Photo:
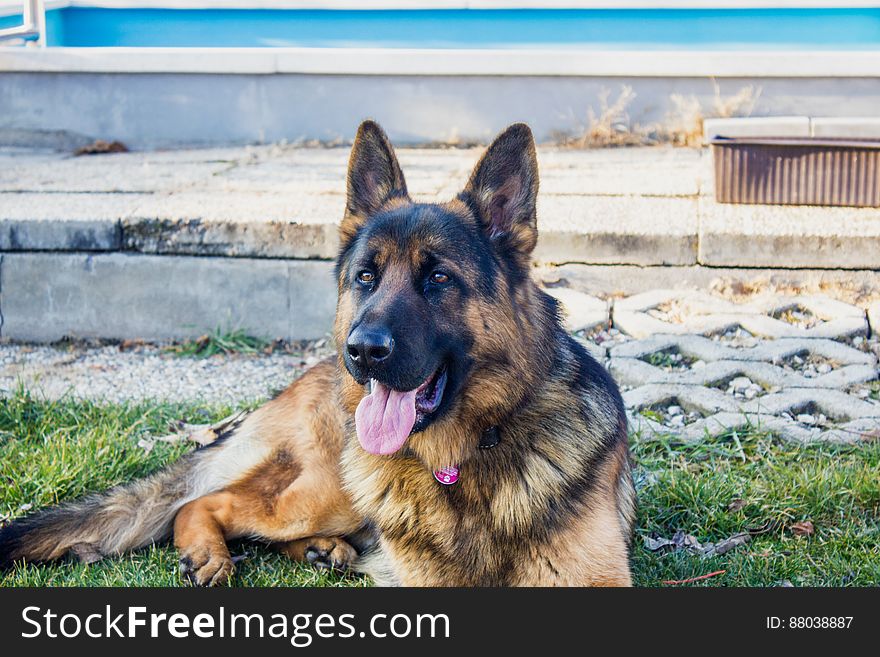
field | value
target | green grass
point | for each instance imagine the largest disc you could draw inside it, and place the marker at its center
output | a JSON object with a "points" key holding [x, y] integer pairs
{"points": [[691, 488], [220, 342], [51, 451], [669, 359]]}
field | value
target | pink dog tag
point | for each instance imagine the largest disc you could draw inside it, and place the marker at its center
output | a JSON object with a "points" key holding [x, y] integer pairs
{"points": [[447, 476]]}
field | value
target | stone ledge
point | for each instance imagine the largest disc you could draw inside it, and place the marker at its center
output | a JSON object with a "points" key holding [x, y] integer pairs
{"points": [[788, 236], [46, 297]]}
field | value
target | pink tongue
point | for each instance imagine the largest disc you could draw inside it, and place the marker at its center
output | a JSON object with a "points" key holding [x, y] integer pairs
{"points": [[384, 419]]}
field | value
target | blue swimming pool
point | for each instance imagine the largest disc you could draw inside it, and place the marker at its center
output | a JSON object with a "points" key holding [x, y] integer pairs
{"points": [[601, 29]]}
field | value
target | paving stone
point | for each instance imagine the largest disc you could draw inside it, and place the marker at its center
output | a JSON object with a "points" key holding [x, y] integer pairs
{"points": [[852, 432], [874, 318], [707, 401], [720, 423], [635, 372], [595, 350], [839, 407], [685, 311], [582, 311], [835, 404], [771, 351]]}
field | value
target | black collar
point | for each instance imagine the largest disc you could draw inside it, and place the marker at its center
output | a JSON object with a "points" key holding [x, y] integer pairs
{"points": [[489, 438]]}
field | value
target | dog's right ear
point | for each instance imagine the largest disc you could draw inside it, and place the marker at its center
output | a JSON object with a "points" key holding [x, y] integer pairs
{"points": [[374, 177]]}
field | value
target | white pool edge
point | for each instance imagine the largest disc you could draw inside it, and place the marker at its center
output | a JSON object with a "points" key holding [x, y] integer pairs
{"points": [[453, 62], [11, 6]]}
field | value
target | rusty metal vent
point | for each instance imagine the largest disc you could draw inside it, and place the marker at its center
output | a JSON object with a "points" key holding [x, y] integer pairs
{"points": [[797, 171]]}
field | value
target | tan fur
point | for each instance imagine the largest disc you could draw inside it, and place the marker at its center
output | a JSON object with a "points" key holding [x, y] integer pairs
{"points": [[292, 495]]}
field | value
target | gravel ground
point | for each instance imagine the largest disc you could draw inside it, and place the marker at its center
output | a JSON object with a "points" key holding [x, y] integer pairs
{"points": [[107, 373]]}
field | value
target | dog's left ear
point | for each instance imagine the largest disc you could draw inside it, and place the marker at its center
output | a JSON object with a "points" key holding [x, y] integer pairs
{"points": [[374, 177], [504, 189]]}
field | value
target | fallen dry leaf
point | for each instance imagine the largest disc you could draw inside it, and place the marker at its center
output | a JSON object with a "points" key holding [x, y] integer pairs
{"points": [[99, 146], [804, 528], [736, 504], [147, 444], [201, 434], [727, 544], [870, 436], [129, 345]]}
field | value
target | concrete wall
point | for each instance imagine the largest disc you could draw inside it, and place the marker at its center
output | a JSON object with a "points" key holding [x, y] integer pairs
{"points": [[149, 110], [49, 296]]}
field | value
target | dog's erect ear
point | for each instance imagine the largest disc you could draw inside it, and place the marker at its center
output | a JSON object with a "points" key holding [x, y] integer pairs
{"points": [[504, 188], [374, 177]]}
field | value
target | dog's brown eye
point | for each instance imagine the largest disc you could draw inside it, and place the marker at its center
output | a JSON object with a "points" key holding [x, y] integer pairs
{"points": [[366, 277], [439, 278]]}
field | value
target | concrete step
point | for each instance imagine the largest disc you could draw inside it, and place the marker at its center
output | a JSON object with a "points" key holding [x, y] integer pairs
{"points": [[641, 206], [84, 241]]}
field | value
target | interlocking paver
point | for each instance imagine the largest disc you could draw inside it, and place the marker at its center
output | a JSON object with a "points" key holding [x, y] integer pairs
{"points": [[836, 404], [581, 311], [632, 371], [725, 422], [705, 401], [874, 318], [685, 311], [768, 351]]}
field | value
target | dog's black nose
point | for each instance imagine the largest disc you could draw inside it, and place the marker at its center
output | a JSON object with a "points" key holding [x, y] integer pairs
{"points": [[370, 346]]}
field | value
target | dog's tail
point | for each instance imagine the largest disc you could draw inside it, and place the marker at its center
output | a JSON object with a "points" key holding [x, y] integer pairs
{"points": [[123, 518]]}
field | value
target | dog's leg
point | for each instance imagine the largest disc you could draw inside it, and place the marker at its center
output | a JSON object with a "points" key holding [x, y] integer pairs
{"points": [[311, 506], [321, 551], [200, 532]]}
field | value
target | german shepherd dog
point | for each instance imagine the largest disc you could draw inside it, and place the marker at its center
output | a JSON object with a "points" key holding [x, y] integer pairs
{"points": [[459, 437]]}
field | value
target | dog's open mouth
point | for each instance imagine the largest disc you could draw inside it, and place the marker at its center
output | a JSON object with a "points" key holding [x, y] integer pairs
{"points": [[430, 393], [385, 418]]}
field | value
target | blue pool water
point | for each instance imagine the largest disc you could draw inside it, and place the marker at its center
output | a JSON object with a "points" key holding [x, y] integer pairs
{"points": [[663, 29]]}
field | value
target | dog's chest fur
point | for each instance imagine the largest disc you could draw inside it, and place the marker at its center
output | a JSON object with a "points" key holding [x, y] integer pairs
{"points": [[514, 505], [435, 534]]}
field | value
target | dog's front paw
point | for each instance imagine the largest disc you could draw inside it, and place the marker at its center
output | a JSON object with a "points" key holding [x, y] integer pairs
{"points": [[205, 566], [330, 553]]}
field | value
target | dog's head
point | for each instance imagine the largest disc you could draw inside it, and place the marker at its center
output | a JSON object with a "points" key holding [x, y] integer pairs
{"points": [[432, 296]]}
